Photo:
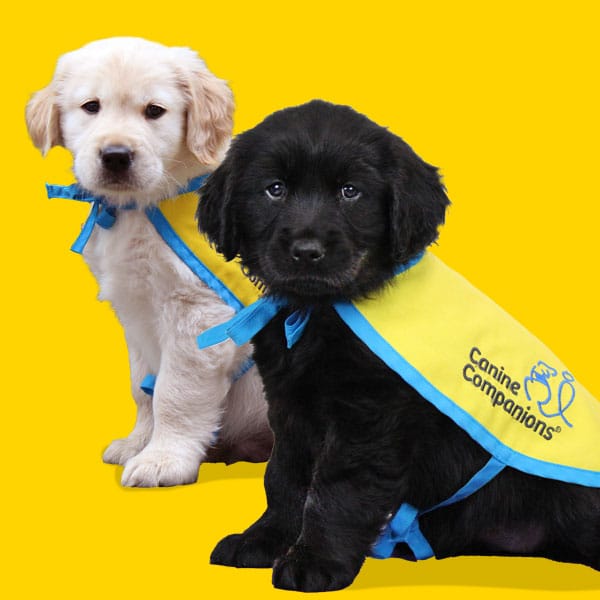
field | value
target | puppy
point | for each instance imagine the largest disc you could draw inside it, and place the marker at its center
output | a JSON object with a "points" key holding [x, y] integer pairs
{"points": [[143, 121], [373, 454]]}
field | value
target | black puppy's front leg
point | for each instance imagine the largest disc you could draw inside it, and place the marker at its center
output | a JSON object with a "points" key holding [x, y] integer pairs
{"points": [[287, 478], [346, 507]]}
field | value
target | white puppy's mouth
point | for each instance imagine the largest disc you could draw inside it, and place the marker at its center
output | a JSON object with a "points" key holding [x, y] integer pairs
{"points": [[122, 173], [118, 184]]}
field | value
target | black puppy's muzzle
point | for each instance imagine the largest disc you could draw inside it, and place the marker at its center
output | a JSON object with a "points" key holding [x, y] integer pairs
{"points": [[309, 263], [116, 159]]}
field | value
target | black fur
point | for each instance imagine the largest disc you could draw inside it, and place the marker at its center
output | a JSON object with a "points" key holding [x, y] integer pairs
{"points": [[352, 440]]}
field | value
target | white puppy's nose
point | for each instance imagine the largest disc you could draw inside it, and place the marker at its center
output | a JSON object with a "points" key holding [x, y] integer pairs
{"points": [[116, 158]]}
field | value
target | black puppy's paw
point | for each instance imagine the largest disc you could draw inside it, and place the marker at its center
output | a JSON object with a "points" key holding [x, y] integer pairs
{"points": [[303, 572], [248, 550]]}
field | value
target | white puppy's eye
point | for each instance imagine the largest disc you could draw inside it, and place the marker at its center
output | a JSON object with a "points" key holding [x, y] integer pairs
{"points": [[349, 192], [154, 111], [92, 107], [276, 191]]}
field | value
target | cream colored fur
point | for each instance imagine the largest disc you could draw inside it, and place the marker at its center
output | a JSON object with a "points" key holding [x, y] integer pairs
{"points": [[161, 304]]}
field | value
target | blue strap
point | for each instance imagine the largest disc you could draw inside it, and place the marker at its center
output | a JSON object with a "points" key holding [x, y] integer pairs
{"points": [[404, 526], [148, 384], [107, 217], [69, 192], [295, 325], [86, 230], [102, 213], [481, 478], [193, 185], [245, 325], [246, 366], [250, 320]]}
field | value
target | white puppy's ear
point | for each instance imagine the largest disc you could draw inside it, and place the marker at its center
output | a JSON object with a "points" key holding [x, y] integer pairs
{"points": [[209, 112], [43, 120]]}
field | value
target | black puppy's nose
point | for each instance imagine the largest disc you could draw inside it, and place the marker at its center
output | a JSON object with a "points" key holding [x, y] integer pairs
{"points": [[116, 158], [307, 251]]}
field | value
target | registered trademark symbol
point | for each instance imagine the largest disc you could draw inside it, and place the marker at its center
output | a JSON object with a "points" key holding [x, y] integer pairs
{"points": [[557, 429]]}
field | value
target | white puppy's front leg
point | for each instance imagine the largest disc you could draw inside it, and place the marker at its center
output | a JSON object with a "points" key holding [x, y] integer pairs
{"points": [[121, 450], [187, 406]]}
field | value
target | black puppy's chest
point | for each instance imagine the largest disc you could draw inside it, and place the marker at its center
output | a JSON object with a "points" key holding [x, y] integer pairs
{"points": [[330, 383], [328, 369]]}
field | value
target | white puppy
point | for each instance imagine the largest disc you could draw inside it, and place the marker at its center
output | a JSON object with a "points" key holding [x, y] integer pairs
{"points": [[141, 120]]}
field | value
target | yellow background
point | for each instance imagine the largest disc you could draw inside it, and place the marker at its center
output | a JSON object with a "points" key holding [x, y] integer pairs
{"points": [[503, 96]]}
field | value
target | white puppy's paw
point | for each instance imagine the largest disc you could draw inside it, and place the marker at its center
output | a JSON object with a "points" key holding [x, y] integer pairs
{"points": [[155, 467], [120, 451]]}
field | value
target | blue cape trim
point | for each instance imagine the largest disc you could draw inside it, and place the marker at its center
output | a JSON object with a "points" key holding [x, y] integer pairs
{"points": [[179, 247], [410, 264]]}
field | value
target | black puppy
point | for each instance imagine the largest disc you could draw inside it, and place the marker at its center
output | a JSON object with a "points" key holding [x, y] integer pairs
{"points": [[323, 205]]}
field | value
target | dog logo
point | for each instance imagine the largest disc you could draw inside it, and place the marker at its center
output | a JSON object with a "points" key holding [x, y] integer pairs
{"points": [[552, 392]]}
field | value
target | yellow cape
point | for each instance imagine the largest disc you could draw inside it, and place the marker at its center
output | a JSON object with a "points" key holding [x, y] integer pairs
{"points": [[174, 220], [484, 370]]}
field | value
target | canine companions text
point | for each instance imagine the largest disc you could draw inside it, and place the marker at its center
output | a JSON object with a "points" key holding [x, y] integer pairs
{"points": [[404, 425], [144, 123]]}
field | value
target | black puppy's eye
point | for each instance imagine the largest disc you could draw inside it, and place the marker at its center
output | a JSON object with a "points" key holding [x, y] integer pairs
{"points": [[276, 190], [92, 107], [154, 111], [349, 192]]}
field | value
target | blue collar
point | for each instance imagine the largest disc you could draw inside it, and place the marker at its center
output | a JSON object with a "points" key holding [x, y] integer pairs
{"points": [[103, 213], [252, 319]]}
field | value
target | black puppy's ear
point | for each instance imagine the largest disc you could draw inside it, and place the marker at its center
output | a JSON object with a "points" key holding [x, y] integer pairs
{"points": [[215, 210], [418, 203]]}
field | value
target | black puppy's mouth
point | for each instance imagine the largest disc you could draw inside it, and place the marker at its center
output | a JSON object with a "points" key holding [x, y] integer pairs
{"points": [[313, 285]]}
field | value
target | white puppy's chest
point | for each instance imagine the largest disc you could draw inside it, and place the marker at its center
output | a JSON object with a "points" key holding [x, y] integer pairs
{"points": [[140, 276]]}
